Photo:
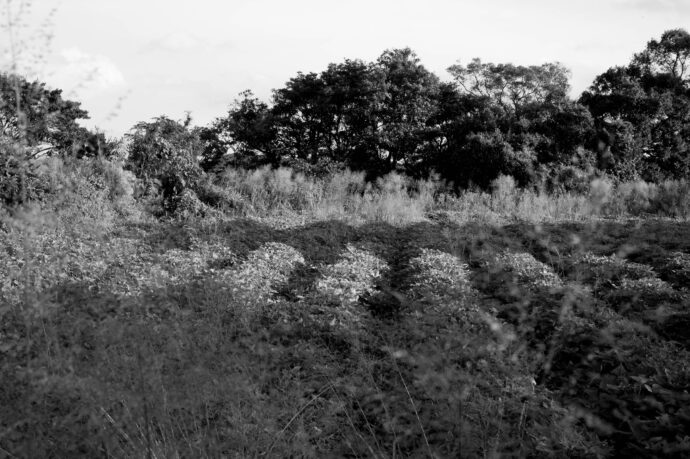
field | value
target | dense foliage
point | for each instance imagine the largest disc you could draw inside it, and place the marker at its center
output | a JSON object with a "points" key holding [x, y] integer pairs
{"points": [[642, 111], [491, 119], [163, 154], [39, 116], [37, 123]]}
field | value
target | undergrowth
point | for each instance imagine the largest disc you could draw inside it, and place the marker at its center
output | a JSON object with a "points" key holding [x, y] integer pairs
{"points": [[286, 316]]}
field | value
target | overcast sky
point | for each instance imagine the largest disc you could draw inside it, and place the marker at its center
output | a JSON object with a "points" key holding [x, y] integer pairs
{"points": [[131, 60]]}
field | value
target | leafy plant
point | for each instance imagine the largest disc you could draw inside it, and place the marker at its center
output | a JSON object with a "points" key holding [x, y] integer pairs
{"points": [[164, 154]]}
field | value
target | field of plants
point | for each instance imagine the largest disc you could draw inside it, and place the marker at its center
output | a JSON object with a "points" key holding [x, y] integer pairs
{"points": [[375, 261], [251, 337]]}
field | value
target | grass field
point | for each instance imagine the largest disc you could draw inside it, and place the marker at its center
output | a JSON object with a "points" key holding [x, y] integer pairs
{"points": [[245, 338]]}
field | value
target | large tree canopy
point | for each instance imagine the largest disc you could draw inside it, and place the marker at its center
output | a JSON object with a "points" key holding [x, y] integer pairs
{"points": [[394, 114]]}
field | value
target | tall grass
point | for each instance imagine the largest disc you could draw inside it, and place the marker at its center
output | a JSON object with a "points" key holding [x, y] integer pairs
{"points": [[506, 202], [670, 198], [396, 199], [103, 190], [344, 195]]}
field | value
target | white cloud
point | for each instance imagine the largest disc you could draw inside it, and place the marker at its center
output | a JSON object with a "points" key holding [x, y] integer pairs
{"points": [[79, 69]]}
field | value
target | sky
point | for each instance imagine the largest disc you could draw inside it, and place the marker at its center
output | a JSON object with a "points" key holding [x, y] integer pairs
{"points": [[131, 60]]}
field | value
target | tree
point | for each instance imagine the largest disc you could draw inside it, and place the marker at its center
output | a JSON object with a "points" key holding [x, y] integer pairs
{"points": [[36, 115], [556, 132], [642, 110], [507, 119], [394, 114], [353, 91], [513, 87], [303, 117], [366, 116], [331, 115], [531, 105], [482, 157], [408, 104], [670, 55], [34, 121], [245, 137]]}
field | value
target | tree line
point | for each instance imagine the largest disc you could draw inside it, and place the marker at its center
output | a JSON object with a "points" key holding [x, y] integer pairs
{"points": [[393, 114]]}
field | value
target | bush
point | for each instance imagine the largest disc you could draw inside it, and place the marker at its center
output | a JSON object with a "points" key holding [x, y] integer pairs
{"points": [[163, 154], [189, 206], [565, 178], [19, 180]]}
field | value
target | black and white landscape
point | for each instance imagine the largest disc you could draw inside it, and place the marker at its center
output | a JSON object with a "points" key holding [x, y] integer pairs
{"points": [[344, 229]]}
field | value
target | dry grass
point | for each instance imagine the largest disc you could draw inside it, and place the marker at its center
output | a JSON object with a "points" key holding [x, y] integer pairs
{"points": [[286, 197], [344, 196]]}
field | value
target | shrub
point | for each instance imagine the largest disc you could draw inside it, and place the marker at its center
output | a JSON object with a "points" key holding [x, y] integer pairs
{"points": [[565, 178], [19, 180], [163, 154], [189, 206]]}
